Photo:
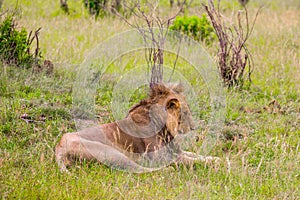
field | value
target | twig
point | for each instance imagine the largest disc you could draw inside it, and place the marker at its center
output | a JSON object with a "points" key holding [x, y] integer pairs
{"points": [[177, 55]]}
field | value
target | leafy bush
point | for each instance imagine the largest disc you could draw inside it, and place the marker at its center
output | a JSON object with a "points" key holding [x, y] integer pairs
{"points": [[198, 28], [102, 7], [94, 6], [15, 44]]}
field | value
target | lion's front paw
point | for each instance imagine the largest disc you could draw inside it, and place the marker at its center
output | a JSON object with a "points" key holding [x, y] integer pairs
{"points": [[210, 159]]}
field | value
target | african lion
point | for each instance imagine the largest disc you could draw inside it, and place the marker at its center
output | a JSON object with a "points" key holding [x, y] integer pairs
{"points": [[149, 127]]}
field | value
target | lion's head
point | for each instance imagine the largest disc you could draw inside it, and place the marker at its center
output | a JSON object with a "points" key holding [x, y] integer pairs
{"points": [[165, 111]]}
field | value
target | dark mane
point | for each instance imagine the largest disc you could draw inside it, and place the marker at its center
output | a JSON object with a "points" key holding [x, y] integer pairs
{"points": [[157, 91], [141, 103]]}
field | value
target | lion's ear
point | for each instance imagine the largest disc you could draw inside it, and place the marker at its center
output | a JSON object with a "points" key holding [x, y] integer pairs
{"points": [[173, 104], [173, 109], [178, 88]]}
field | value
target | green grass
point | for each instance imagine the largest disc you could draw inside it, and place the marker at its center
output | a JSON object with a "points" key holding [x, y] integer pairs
{"points": [[261, 141]]}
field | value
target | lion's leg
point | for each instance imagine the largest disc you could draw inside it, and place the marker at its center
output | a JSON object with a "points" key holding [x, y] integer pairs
{"points": [[72, 144], [109, 155], [61, 152], [189, 158], [69, 145]]}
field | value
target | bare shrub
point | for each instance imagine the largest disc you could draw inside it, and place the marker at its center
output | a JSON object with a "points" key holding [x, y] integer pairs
{"points": [[154, 34], [233, 57]]}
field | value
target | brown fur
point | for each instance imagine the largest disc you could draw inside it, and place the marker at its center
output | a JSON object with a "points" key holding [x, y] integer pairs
{"points": [[150, 125]]}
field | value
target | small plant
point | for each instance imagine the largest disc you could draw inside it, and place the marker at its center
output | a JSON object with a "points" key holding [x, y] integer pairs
{"points": [[15, 44], [198, 28], [95, 7]]}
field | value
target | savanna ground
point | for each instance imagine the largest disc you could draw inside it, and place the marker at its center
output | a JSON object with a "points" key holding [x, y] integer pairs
{"points": [[261, 138]]}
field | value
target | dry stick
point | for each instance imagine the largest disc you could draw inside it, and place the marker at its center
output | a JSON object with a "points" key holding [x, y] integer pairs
{"points": [[177, 55], [168, 25], [36, 35]]}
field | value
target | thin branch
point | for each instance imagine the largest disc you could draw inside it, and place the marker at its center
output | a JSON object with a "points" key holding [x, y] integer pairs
{"points": [[177, 56]]}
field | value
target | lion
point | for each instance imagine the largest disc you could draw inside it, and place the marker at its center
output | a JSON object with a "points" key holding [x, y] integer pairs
{"points": [[150, 129]]}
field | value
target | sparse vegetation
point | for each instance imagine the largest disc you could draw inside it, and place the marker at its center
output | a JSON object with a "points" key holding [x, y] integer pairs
{"points": [[261, 139]]}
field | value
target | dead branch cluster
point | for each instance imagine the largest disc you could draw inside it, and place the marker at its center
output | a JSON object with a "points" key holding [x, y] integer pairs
{"points": [[233, 55]]}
